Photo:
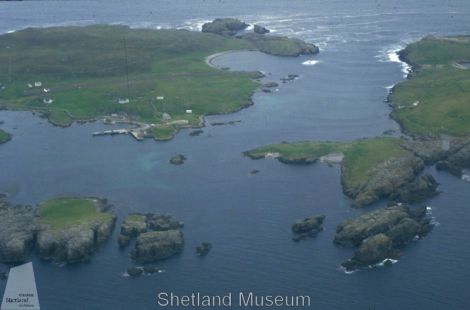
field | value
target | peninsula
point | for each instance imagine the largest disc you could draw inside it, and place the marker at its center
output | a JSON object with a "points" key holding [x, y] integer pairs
{"points": [[4, 136], [157, 81], [432, 105]]}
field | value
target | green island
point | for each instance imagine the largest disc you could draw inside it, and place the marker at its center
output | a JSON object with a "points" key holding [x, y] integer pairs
{"points": [[4, 136], [432, 105], [436, 98], [61, 213], [156, 80]]}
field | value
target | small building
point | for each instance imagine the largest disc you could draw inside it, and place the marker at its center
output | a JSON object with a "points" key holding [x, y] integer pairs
{"points": [[47, 100], [189, 111], [37, 84], [416, 103], [123, 100], [46, 90], [30, 85], [160, 98]]}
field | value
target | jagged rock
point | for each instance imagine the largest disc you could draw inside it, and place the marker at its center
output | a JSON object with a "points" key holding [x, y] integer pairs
{"points": [[254, 171], [260, 29], [381, 233], [17, 232], [418, 190], [430, 151], [138, 223], [384, 179], [135, 271], [196, 133], [204, 248], [270, 85], [157, 245], [373, 250], [77, 242], [3, 275], [458, 159], [224, 26], [150, 269], [178, 159], [308, 227]]}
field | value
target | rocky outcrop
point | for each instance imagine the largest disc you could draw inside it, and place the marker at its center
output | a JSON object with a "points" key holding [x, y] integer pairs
{"points": [[457, 159], [178, 159], [138, 223], [260, 29], [77, 242], [225, 26], [4, 136], [280, 46], [308, 227], [17, 232], [204, 248], [381, 234], [383, 180], [429, 150], [418, 190], [158, 245]]}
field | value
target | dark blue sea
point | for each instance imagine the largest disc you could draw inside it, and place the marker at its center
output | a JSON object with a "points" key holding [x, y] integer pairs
{"points": [[339, 96]]}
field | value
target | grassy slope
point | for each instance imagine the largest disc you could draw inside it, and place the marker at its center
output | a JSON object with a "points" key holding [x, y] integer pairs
{"points": [[63, 212], [359, 156], [4, 136], [443, 91], [85, 69]]}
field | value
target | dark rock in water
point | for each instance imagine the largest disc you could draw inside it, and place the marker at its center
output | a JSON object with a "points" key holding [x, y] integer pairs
{"points": [[225, 26], [260, 29], [195, 133], [178, 159], [254, 171], [76, 243], [3, 275], [381, 233], [270, 85], [290, 77], [17, 232], [135, 271], [266, 90], [150, 269], [308, 227], [158, 245], [204, 248], [420, 189], [138, 223], [373, 250]]}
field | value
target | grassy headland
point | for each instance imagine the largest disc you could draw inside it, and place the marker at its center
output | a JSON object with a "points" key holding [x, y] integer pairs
{"points": [[4, 136], [61, 213], [83, 71], [359, 156], [436, 98]]}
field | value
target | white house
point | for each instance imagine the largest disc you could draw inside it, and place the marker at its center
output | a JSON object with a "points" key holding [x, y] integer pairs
{"points": [[47, 100], [46, 90], [123, 100], [38, 84], [189, 111], [160, 98]]}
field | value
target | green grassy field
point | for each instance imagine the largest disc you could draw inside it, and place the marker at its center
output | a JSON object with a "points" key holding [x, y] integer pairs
{"points": [[359, 156], [85, 70], [436, 100], [4, 136], [63, 212]]}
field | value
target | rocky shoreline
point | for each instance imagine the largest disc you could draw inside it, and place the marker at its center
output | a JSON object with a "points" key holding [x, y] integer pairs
{"points": [[381, 234]]}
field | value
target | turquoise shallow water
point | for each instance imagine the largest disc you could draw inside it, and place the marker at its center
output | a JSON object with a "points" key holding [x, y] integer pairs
{"points": [[246, 217]]}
